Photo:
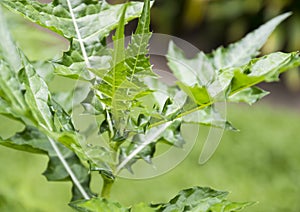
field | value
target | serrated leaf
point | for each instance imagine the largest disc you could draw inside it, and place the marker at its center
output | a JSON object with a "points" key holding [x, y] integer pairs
{"points": [[95, 20], [233, 80], [121, 86], [241, 52], [31, 140], [97, 205], [54, 122], [136, 60]]}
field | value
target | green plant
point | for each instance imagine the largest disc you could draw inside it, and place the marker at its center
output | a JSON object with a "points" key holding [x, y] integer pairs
{"points": [[133, 110]]}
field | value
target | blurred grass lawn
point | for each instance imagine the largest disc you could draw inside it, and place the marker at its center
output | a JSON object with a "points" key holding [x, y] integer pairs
{"points": [[259, 163]]}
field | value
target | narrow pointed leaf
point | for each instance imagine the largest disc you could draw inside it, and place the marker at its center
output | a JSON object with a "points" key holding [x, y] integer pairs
{"points": [[241, 52], [36, 95], [136, 60]]}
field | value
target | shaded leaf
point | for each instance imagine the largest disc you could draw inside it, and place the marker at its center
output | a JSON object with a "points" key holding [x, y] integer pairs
{"points": [[31, 140]]}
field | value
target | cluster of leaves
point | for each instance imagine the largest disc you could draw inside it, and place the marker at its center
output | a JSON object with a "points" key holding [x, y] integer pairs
{"points": [[200, 199], [136, 110]]}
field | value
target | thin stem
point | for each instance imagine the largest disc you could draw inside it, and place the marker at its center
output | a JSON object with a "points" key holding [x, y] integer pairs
{"points": [[68, 169], [182, 114]]}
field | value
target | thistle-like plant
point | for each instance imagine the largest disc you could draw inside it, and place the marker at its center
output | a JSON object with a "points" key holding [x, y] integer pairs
{"points": [[133, 109]]}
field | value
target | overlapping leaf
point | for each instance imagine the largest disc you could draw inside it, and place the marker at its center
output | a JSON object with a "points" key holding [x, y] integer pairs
{"points": [[26, 96], [121, 85]]}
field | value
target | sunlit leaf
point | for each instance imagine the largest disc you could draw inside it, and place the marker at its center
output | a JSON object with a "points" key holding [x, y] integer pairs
{"points": [[241, 52]]}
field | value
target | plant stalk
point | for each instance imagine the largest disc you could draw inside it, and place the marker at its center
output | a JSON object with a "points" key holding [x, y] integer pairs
{"points": [[107, 185]]}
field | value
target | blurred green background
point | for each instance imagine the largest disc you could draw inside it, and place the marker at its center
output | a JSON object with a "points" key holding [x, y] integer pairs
{"points": [[259, 163]]}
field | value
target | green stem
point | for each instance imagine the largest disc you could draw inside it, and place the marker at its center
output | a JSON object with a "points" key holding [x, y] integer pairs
{"points": [[107, 185]]}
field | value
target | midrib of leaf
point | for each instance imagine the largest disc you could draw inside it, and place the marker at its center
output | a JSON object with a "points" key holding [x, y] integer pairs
{"points": [[83, 50], [68, 169], [142, 29]]}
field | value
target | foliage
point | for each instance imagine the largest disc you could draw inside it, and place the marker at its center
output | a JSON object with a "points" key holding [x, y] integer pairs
{"points": [[137, 110]]}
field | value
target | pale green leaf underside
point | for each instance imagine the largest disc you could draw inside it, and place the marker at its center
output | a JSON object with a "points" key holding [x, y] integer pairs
{"points": [[94, 18]]}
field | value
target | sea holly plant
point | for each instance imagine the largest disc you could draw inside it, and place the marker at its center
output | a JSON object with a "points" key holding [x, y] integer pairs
{"points": [[133, 109]]}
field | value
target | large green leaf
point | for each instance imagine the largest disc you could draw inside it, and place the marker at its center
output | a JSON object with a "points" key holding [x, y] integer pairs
{"points": [[27, 98], [94, 20], [241, 52], [31, 140]]}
